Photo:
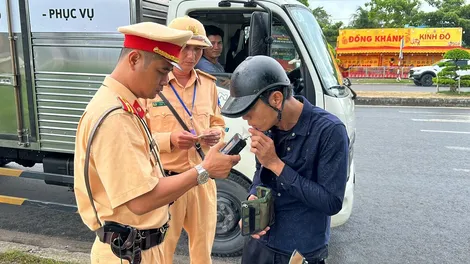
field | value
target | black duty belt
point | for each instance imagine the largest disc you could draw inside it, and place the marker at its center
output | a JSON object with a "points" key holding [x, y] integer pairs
{"points": [[171, 173], [118, 235]]}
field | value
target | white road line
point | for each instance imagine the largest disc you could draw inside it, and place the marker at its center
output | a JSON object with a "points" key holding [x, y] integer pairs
{"points": [[466, 116], [441, 120], [412, 107], [462, 170], [435, 113], [444, 131], [458, 148]]}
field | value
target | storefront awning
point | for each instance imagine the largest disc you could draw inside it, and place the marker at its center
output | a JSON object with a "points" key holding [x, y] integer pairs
{"points": [[394, 50]]}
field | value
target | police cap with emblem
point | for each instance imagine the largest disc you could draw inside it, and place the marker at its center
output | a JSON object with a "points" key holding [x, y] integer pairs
{"points": [[152, 37], [199, 37]]}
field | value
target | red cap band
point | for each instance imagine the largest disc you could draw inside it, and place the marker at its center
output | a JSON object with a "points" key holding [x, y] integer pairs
{"points": [[167, 50]]}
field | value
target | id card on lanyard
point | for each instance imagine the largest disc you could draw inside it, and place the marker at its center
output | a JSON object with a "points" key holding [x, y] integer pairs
{"points": [[190, 113]]}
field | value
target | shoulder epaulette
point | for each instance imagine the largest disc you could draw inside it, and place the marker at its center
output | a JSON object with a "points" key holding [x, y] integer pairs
{"points": [[206, 74], [126, 106], [133, 109]]}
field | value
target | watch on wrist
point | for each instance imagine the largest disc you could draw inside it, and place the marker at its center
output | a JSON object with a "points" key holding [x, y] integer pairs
{"points": [[202, 174]]}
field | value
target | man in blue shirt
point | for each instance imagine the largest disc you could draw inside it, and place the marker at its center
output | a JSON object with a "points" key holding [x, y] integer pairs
{"points": [[210, 60], [301, 154]]}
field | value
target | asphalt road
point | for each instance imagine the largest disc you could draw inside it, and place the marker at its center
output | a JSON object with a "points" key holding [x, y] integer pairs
{"points": [[400, 87], [411, 198]]}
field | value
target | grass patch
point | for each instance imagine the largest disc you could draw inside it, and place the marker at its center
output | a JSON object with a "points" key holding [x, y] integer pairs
{"points": [[18, 257], [449, 93], [385, 81]]}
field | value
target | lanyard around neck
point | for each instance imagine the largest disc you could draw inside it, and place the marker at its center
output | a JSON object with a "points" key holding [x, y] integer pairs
{"points": [[181, 100]]}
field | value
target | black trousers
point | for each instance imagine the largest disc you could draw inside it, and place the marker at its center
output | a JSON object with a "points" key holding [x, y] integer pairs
{"points": [[256, 253]]}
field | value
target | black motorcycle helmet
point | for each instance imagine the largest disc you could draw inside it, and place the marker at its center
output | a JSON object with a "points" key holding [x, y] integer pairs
{"points": [[253, 77]]}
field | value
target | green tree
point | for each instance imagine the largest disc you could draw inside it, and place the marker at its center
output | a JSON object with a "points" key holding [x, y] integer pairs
{"points": [[394, 13], [450, 13], [322, 16], [360, 19], [449, 73], [305, 2], [387, 13], [446, 4], [331, 32], [330, 29], [457, 54]]}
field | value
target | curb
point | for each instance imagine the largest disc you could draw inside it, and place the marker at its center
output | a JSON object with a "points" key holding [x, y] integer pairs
{"points": [[406, 101]]}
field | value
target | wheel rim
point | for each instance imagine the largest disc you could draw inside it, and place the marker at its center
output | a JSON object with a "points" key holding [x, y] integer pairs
{"points": [[427, 80], [228, 216]]}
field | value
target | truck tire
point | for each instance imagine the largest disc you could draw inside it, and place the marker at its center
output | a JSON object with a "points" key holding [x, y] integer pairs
{"points": [[426, 79], [4, 162], [417, 83], [230, 193], [26, 163]]}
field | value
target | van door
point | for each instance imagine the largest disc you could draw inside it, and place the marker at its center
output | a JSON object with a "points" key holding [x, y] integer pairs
{"points": [[8, 69]]}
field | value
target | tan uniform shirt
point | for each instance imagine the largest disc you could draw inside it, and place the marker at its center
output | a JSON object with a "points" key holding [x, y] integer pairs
{"points": [[121, 166], [206, 114]]}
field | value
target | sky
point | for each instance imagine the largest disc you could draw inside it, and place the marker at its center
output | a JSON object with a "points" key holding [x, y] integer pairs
{"points": [[342, 10]]}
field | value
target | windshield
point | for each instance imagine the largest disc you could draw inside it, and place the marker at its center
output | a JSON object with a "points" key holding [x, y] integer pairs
{"points": [[437, 62], [316, 44]]}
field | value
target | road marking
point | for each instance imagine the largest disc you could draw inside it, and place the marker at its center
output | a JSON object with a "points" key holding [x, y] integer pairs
{"points": [[11, 200], [10, 172], [35, 203], [434, 113], [443, 131], [412, 107], [462, 170], [458, 148], [440, 120]]}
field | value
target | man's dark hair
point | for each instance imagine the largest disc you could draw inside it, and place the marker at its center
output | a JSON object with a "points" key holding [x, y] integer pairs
{"points": [[287, 92], [148, 56], [214, 31]]}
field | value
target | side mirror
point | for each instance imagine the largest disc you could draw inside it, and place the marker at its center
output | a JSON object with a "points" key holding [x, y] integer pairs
{"points": [[260, 34]]}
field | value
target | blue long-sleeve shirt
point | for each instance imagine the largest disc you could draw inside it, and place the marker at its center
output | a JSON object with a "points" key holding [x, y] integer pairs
{"points": [[311, 186]]}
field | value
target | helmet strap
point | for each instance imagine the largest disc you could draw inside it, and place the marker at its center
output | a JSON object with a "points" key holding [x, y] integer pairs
{"points": [[279, 111]]}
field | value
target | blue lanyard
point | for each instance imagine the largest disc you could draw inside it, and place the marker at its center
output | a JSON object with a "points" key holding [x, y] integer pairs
{"points": [[181, 101]]}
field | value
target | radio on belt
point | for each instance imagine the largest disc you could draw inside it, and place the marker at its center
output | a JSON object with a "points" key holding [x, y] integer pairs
{"points": [[235, 145]]}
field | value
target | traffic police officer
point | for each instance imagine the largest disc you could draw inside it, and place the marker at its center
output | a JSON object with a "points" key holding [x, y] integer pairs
{"points": [[119, 185], [193, 94]]}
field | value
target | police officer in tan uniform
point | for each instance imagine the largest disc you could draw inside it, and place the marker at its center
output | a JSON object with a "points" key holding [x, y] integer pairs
{"points": [[120, 187], [193, 94]]}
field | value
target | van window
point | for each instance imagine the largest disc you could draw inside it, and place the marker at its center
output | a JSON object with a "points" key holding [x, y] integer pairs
{"points": [[283, 49], [316, 45]]}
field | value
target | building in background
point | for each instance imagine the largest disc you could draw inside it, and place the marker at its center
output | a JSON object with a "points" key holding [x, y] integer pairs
{"points": [[381, 46]]}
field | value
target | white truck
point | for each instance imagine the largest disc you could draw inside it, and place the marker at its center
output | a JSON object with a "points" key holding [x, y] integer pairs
{"points": [[54, 55], [422, 76]]}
